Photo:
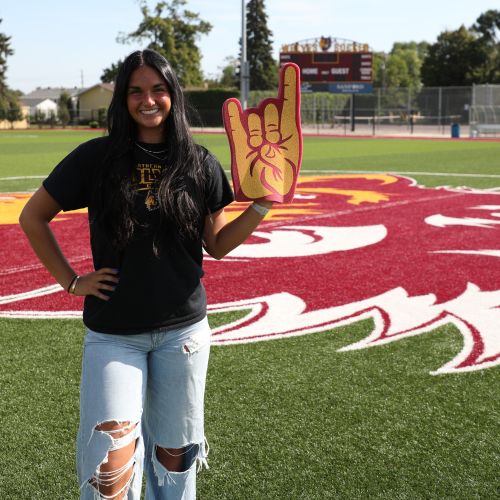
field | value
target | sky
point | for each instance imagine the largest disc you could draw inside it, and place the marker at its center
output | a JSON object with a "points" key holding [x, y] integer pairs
{"points": [[66, 43]]}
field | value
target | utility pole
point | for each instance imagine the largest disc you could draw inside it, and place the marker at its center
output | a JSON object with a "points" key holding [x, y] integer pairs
{"points": [[244, 68]]}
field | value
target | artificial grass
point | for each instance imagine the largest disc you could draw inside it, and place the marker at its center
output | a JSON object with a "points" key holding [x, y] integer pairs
{"points": [[34, 152], [286, 419], [39, 382], [307, 422]]}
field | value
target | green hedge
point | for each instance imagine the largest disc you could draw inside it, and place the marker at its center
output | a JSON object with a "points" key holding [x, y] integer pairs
{"points": [[206, 106]]}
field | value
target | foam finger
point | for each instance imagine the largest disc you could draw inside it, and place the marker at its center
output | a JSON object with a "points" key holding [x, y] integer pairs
{"points": [[254, 129], [272, 123], [232, 113], [289, 92]]}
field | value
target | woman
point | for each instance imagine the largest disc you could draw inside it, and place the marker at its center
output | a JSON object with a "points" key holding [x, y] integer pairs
{"points": [[154, 200]]}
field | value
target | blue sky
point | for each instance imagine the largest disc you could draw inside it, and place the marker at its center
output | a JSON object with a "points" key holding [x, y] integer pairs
{"points": [[58, 41]]}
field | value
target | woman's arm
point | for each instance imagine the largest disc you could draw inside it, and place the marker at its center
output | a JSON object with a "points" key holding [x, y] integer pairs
{"points": [[220, 236], [34, 220]]}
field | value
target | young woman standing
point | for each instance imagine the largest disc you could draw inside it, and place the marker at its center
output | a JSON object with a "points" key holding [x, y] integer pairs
{"points": [[155, 199]]}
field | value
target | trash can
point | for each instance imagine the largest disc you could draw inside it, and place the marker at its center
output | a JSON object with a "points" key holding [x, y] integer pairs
{"points": [[455, 130]]}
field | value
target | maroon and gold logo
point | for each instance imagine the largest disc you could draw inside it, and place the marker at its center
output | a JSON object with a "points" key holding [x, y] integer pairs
{"points": [[325, 43], [348, 248]]}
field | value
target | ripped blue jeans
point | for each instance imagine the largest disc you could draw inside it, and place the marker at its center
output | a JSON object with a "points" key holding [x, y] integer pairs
{"points": [[152, 386]]}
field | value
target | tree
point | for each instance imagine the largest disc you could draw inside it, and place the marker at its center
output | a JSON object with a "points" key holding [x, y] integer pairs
{"points": [[488, 26], [263, 68], [64, 105], [411, 55], [452, 60], [378, 69], [14, 112], [10, 108], [466, 56], [38, 118], [229, 77], [109, 74], [5, 51], [173, 33], [51, 118], [487, 29], [421, 48], [397, 72], [401, 67]]}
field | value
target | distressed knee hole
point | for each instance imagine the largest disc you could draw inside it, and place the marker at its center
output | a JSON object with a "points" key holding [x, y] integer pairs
{"points": [[115, 473], [177, 459], [174, 464], [116, 429]]}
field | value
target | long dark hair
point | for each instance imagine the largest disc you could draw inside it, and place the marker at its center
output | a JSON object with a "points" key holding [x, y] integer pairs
{"points": [[180, 187]]}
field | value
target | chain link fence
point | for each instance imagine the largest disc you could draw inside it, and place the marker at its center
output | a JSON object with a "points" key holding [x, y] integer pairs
{"points": [[432, 111], [427, 111]]}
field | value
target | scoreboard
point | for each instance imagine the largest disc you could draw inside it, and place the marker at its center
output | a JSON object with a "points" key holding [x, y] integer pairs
{"points": [[344, 72]]}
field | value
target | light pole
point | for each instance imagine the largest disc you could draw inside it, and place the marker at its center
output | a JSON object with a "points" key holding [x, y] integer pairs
{"points": [[244, 69]]}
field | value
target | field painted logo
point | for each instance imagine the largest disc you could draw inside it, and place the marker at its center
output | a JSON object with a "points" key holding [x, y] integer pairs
{"points": [[350, 247]]}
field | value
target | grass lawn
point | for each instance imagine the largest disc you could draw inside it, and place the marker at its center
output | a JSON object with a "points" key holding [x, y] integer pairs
{"points": [[36, 152], [289, 419]]}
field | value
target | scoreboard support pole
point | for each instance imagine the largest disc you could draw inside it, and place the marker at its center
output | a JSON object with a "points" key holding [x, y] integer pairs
{"points": [[353, 112]]}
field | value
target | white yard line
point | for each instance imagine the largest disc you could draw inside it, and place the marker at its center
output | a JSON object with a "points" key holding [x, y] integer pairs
{"points": [[39, 292], [37, 265], [451, 174], [20, 178]]}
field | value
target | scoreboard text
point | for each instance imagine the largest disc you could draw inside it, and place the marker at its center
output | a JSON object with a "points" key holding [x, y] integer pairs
{"points": [[331, 67]]}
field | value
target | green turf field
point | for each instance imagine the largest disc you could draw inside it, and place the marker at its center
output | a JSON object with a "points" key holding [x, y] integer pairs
{"points": [[285, 419], [431, 162]]}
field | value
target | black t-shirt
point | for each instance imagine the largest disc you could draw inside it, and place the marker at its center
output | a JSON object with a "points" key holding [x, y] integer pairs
{"points": [[154, 290]]}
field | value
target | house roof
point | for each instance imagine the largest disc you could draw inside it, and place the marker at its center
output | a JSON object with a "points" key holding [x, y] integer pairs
{"points": [[35, 101], [106, 86], [50, 93]]}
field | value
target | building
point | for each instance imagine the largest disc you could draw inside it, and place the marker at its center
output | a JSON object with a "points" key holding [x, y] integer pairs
{"points": [[94, 98], [44, 100], [86, 101], [19, 124]]}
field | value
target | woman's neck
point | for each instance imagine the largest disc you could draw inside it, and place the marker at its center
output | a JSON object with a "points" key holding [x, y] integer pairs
{"points": [[151, 136]]}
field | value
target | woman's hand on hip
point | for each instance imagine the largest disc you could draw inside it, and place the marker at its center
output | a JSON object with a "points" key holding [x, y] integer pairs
{"points": [[94, 283]]}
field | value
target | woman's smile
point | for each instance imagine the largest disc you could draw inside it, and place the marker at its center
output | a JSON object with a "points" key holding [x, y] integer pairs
{"points": [[150, 111]]}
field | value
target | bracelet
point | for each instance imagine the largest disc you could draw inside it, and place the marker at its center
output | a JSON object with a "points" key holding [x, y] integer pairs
{"points": [[259, 208], [72, 285], [71, 282]]}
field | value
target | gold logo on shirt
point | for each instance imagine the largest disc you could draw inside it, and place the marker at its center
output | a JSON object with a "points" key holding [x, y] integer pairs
{"points": [[146, 179]]}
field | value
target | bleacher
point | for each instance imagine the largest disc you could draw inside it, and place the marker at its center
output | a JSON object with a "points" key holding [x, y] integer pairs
{"points": [[485, 110]]}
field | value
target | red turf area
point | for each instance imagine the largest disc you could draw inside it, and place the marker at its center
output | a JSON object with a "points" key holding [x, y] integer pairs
{"points": [[344, 241]]}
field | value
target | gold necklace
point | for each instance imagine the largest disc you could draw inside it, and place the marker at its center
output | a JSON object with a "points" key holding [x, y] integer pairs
{"points": [[154, 154]]}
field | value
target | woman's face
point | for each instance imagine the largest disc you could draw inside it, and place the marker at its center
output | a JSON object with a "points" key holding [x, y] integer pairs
{"points": [[149, 103]]}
